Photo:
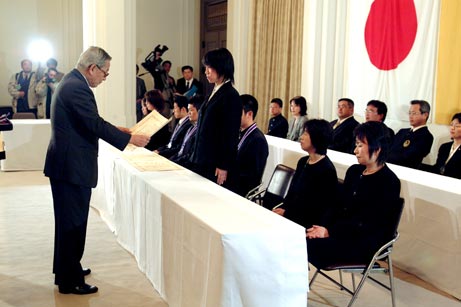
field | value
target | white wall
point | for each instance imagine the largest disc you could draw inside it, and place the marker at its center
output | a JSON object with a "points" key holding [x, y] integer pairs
{"points": [[175, 23], [22, 21]]}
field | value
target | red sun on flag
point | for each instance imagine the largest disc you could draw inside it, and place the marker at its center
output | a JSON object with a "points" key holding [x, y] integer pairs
{"points": [[390, 32]]}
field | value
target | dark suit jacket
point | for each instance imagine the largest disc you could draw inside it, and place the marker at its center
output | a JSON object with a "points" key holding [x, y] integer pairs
{"points": [[218, 128], [189, 144], [181, 86], [364, 220], [453, 167], [343, 135], [278, 126], [411, 155], [176, 139], [76, 127], [251, 160]]}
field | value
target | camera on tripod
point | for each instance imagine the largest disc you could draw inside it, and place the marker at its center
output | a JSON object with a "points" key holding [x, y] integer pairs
{"points": [[151, 62]]}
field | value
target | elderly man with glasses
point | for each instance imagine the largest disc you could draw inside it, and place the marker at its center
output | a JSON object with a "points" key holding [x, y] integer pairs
{"points": [[72, 163], [411, 145]]}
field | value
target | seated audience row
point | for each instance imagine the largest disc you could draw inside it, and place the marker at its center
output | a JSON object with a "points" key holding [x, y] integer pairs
{"points": [[347, 224], [408, 147]]}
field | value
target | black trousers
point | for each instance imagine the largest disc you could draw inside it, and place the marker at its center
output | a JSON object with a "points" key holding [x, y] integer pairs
{"points": [[71, 206]]}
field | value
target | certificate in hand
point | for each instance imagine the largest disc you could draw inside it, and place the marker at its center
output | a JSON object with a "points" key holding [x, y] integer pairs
{"points": [[150, 124]]}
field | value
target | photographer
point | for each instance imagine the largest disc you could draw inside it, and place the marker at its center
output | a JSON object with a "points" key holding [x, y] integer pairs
{"points": [[159, 70], [46, 88]]}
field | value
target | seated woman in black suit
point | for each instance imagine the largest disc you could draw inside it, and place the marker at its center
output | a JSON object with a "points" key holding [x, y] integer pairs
{"points": [[449, 157], [153, 100], [307, 201], [366, 217]]}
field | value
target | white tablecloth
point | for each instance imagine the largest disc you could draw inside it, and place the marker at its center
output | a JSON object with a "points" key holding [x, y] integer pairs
{"points": [[430, 229], [199, 244], [26, 145]]}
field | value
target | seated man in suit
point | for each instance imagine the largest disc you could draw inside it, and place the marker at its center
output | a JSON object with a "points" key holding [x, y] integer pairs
{"points": [[252, 149], [411, 145], [183, 124], [343, 127], [376, 111], [186, 149], [278, 125], [188, 81]]}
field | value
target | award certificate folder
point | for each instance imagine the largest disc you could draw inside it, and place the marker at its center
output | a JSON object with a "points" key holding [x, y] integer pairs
{"points": [[149, 125]]}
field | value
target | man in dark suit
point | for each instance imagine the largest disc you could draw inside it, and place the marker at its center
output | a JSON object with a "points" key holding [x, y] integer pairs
{"points": [[278, 125], [186, 83], [411, 145], [252, 149], [183, 124], [343, 127], [187, 146], [71, 163]]}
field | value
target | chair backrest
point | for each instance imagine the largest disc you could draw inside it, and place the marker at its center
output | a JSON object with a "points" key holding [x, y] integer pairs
{"points": [[280, 180], [24, 115], [278, 186]]}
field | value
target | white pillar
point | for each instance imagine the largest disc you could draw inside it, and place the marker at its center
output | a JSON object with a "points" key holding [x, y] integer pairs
{"points": [[110, 24]]}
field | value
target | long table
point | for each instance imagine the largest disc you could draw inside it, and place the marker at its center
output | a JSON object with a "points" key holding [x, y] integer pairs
{"points": [[430, 229], [198, 243], [26, 145]]}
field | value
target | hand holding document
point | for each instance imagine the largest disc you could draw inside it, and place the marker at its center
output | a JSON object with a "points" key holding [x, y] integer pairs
{"points": [[149, 125]]}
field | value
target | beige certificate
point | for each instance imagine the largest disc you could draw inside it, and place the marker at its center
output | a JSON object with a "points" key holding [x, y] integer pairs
{"points": [[151, 162], [149, 125]]}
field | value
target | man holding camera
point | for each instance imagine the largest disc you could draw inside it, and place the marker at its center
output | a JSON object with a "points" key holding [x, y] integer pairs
{"points": [[46, 88]]}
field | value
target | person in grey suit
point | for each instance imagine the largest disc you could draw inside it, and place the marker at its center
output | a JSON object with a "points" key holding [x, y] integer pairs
{"points": [[71, 163], [298, 107], [218, 125]]}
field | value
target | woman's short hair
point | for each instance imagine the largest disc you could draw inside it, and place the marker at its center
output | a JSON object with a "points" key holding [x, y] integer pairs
{"points": [[222, 61], [301, 102], [377, 136], [321, 134], [155, 98]]}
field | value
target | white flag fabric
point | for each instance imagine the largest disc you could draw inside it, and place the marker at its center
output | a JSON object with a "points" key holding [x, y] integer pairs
{"points": [[391, 53]]}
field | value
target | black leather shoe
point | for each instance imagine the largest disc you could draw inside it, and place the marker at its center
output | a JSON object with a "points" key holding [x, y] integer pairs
{"points": [[86, 271], [81, 290]]}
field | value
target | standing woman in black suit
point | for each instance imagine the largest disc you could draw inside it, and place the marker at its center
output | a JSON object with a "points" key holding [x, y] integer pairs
{"points": [[218, 124], [72, 163]]}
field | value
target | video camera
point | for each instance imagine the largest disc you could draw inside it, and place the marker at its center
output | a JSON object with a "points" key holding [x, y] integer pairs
{"points": [[150, 62]]}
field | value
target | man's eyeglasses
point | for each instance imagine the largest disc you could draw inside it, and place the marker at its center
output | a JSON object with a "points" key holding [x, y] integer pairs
{"points": [[106, 74], [367, 111], [455, 125], [414, 113]]}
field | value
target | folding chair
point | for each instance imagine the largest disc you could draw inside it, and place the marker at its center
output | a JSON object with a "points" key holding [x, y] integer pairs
{"points": [[277, 188], [383, 254]]}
